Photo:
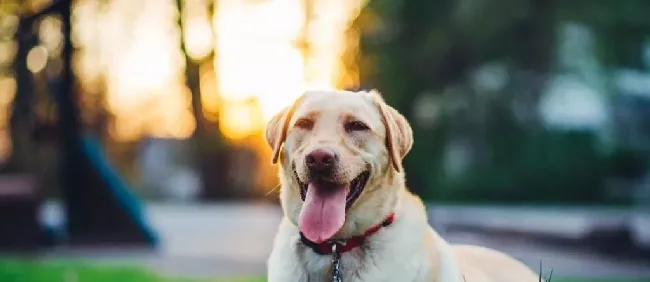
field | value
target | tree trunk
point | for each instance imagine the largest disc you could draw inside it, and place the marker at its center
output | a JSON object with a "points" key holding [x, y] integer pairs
{"points": [[22, 118]]}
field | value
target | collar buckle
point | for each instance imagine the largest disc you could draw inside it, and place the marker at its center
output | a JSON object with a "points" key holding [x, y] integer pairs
{"points": [[337, 242]]}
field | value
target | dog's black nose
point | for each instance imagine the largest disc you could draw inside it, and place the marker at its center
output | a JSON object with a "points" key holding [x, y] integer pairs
{"points": [[321, 159]]}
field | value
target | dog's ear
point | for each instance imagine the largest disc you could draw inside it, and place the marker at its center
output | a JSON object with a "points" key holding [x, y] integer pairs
{"points": [[399, 135], [276, 129], [275, 133]]}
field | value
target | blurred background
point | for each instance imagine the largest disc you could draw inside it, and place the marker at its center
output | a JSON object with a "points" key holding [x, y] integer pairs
{"points": [[131, 143]]}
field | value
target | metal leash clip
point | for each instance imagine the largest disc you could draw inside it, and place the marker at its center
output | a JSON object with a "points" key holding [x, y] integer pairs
{"points": [[336, 261]]}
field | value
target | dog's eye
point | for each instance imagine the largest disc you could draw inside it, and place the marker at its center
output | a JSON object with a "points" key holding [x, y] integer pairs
{"points": [[304, 123], [356, 126]]}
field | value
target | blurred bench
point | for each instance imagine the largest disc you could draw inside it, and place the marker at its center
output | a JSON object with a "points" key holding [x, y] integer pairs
{"points": [[19, 206]]}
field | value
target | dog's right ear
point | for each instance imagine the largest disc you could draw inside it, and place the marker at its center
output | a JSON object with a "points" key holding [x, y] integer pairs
{"points": [[276, 130], [276, 133]]}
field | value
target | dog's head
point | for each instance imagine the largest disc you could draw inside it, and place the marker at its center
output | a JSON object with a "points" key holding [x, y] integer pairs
{"points": [[341, 161]]}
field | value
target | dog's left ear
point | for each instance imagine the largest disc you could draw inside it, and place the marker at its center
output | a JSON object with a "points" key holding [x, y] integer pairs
{"points": [[276, 130], [399, 135]]}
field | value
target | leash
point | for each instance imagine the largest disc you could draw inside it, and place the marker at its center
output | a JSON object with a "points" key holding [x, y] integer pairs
{"points": [[336, 263]]}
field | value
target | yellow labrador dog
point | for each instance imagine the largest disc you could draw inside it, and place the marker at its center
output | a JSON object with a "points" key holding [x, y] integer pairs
{"points": [[347, 213]]}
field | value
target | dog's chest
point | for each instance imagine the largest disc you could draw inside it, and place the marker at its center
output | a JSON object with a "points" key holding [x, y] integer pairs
{"points": [[355, 266], [321, 267]]}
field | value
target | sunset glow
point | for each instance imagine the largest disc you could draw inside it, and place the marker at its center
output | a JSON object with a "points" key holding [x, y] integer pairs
{"points": [[128, 56], [261, 63], [259, 56]]}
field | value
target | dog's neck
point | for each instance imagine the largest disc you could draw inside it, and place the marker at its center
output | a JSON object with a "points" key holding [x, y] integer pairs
{"points": [[391, 250]]}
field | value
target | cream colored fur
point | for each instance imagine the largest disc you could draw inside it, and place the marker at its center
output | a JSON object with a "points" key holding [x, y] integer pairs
{"points": [[407, 250]]}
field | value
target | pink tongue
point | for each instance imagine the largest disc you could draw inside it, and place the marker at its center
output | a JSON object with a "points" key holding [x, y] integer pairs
{"points": [[323, 212]]}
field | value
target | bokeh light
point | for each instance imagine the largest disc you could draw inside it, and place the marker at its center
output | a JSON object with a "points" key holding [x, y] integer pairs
{"points": [[7, 93], [260, 61], [37, 59], [260, 56]]}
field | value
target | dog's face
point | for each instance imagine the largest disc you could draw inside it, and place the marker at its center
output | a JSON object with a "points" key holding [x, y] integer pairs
{"points": [[341, 161]]}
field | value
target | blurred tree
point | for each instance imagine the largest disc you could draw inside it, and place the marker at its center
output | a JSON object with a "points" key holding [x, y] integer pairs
{"points": [[192, 75], [32, 117], [486, 65], [22, 118], [211, 155]]}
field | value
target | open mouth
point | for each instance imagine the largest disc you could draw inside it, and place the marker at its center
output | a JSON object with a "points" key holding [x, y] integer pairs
{"points": [[356, 186]]}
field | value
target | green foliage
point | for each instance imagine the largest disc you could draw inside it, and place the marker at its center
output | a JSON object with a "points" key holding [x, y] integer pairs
{"points": [[416, 47], [549, 167]]}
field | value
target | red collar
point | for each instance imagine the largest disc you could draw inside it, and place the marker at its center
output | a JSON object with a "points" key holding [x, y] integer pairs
{"points": [[345, 245]]}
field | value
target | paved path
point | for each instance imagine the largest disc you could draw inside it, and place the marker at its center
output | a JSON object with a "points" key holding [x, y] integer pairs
{"points": [[224, 240], [235, 239], [564, 222]]}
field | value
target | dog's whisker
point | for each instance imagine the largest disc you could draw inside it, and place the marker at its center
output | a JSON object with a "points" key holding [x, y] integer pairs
{"points": [[272, 190]]}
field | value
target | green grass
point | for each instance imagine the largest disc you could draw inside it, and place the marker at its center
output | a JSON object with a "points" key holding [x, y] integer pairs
{"points": [[71, 271], [599, 280]]}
